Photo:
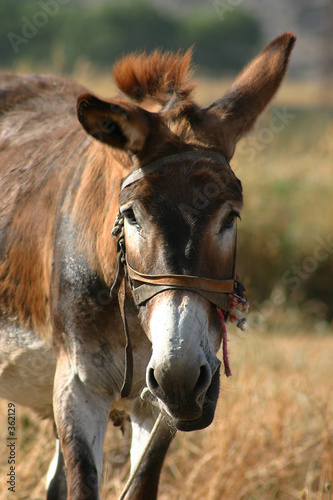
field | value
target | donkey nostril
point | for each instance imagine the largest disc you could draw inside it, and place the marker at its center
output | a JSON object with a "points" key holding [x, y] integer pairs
{"points": [[152, 382], [203, 380]]}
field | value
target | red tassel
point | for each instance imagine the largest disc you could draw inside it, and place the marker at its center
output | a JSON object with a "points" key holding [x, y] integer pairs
{"points": [[227, 370]]}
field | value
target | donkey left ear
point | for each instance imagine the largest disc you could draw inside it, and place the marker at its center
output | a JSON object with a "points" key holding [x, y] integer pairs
{"points": [[120, 124], [224, 122]]}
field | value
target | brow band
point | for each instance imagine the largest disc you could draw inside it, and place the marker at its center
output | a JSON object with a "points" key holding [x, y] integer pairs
{"points": [[188, 155]]}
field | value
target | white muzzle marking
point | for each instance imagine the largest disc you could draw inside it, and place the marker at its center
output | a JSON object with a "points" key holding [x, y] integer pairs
{"points": [[180, 370]]}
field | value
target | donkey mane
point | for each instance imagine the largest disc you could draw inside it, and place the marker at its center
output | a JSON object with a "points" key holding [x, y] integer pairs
{"points": [[158, 76], [162, 82]]}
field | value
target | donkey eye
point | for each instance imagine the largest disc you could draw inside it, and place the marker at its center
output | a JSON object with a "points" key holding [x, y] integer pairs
{"points": [[130, 217], [229, 221]]}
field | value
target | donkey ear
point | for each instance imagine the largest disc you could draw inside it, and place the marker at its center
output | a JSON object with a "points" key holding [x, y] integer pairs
{"points": [[224, 122], [120, 124]]}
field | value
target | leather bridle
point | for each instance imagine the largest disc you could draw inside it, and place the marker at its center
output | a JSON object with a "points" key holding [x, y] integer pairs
{"points": [[218, 292]]}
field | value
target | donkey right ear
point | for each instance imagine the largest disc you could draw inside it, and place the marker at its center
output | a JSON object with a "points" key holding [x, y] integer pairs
{"points": [[224, 122], [121, 124]]}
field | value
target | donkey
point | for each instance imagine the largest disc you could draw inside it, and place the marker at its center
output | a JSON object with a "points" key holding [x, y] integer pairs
{"points": [[153, 168]]}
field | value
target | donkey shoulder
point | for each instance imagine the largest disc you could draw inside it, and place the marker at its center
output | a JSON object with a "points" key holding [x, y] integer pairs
{"points": [[39, 135]]}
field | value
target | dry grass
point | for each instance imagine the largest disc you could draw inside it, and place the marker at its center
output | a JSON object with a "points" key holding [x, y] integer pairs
{"points": [[272, 437]]}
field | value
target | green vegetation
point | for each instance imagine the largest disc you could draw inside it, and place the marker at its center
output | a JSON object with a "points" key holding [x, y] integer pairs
{"points": [[60, 33], [286, 238]]}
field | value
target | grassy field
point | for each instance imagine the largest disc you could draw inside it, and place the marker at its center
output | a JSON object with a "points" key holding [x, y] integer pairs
{"points": [[272, 437]]}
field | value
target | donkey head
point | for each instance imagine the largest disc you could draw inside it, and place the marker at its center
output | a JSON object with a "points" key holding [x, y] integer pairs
{"points": [[180, 213]]}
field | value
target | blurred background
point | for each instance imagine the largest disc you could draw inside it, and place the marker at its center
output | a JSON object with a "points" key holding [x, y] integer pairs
{"points": [[273, 436], [285, 165]]}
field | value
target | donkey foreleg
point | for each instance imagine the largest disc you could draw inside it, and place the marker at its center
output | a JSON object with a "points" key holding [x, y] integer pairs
{"points": [[145, 482], [56, 484], [81, 418]]}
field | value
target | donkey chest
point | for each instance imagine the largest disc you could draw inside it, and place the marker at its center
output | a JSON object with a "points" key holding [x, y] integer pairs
{"points": [[87, 321]]}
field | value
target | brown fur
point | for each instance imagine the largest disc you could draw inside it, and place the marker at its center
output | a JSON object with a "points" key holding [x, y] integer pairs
{"points": [[32, 173]]}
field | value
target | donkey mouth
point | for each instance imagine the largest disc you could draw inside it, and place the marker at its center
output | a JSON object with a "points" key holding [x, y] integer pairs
{"points": [[208, 408]]}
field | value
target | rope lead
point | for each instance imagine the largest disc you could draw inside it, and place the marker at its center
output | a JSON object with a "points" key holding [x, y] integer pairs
{"points": [[141, 458]]}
